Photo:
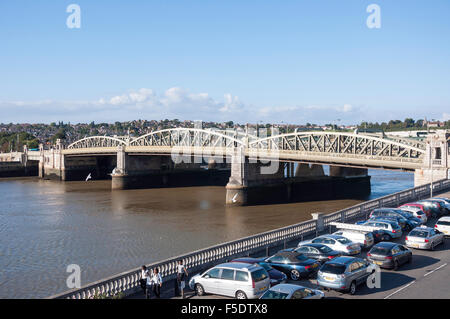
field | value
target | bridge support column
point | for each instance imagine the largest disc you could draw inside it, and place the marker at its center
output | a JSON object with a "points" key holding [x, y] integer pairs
{"points": [[347, 171], [119, 176], [436, 164], [237, 187], [304, 170]]}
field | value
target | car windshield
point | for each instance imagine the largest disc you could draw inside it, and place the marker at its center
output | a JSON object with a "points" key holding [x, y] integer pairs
{"points": [[270, 294], [379, 251], [343, 241], [443, 223], [336, 269], [259, 275], [324, 249], [419, 233]]}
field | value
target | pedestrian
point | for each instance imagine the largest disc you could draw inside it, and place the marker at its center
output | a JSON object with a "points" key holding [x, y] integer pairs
{"points": [[156, 282], [149, 285], [181, 273], [143, 280]]}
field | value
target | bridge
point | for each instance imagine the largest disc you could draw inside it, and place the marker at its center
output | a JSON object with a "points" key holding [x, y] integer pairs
{"points": [[253, 160]]}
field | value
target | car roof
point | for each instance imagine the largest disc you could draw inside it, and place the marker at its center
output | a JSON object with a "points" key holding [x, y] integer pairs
{"points": [[286, 288], [242, 266], [422, 228], [343, 260], [331, 236], [385, 244], [316, 245], [247, 260]]}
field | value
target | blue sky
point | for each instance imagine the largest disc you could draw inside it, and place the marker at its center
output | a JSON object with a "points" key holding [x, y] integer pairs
{"points": [[247, 61]]}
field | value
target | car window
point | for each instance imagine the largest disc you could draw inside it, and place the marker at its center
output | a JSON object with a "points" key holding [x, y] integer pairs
{"points": [[259, 275], [354, 266], [313, 250], [331, 268], [303, 249], [227, 274], [344, 241], [299, 294], [241, 275], [319, 240], [330, 241], [395, 250], [325, 249], [271, 294], [443, 223], [276, 259], [214, 273], [419, 233]]}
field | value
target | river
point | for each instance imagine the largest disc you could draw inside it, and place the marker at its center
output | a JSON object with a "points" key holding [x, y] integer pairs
{"points": [[47, 225]]}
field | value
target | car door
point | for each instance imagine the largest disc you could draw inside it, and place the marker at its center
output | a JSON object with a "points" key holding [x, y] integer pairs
{"points": [[396, 255], [404, 252], [226, 284], [210, 281], [277, 262]]}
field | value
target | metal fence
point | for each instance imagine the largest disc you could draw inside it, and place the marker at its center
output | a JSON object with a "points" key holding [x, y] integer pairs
{"points": [[128, 281]]}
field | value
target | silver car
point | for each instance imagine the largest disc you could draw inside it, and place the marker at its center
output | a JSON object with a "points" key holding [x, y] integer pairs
{"points": [[344, 273], [239, 280], [290, 291], [336, 242], [424, 238]]}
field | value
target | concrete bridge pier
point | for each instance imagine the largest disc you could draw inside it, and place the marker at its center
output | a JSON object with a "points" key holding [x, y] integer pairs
{"points": [[436, 165], [340, 171]]}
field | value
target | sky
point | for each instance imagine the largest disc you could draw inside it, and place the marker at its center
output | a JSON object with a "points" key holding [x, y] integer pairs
{"points": [[214, 60]]}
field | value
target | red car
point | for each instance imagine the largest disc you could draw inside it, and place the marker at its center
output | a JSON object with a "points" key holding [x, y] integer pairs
{"points": [[427, 211]]}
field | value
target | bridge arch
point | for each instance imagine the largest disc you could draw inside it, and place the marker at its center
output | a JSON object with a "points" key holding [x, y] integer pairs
{"points": [[187, 137], [339, 144], [97, 141]]}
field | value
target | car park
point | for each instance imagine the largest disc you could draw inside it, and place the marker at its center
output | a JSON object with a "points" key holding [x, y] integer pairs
{"points": [[424, 238], [290, 291], [239, 280], [319, 252], [365, 239], [344, 273], [389, 255], [443, 225], [336, 242], [294, 264], [276, 276]]}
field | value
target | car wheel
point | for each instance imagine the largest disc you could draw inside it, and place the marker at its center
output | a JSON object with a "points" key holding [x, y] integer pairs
{"points": [[295, 274], [240, 295], [395, 264], [353, 288], [199, 290]]}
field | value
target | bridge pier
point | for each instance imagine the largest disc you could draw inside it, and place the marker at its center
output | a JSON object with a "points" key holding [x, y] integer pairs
{"points": [[341, 171], [436, 161]]}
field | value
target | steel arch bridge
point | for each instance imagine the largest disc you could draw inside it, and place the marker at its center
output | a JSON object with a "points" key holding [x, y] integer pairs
{"points": [[350, 149]]}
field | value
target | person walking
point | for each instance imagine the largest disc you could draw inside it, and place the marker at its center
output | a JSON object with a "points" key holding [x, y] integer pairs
{"points": [[143, 280], [181, 273], [156, 282], [149, 285]]}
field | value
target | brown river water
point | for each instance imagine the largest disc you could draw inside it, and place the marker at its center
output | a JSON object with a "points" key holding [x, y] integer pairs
{"points": [[47, 225]]}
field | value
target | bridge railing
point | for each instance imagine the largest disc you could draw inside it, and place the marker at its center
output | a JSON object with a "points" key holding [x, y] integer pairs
{"points": [[128, 281]]}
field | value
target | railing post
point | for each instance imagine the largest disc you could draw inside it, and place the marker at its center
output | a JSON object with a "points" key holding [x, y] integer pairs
{"points": [[318, 217]]}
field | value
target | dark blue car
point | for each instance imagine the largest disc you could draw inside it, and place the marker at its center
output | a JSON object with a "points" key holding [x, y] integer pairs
{"points": [[276, 276], [293, 264]]}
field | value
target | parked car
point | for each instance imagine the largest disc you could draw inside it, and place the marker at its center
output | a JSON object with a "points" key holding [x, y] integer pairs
{"points": [[276, 276], [343, 273], [416, 212], [443, 225], [336, 242], [365, 239], [435, 207], [391, 228], [294, 264], [319, 252], [445, 205], [422, 207], [289, 291], [388, 212], [389, 255], [424, 238], [239, 280], [404, 226], [380, 235]]}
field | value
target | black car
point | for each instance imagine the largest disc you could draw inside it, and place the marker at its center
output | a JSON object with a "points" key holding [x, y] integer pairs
{"points": [[294, 264], [380, 235], [319, 252], [276, 276], [389, 255]]}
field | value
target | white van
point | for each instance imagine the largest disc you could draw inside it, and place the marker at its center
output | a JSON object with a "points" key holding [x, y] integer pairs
{"points": [[365, 239], [239, 280], [443, 225]]}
